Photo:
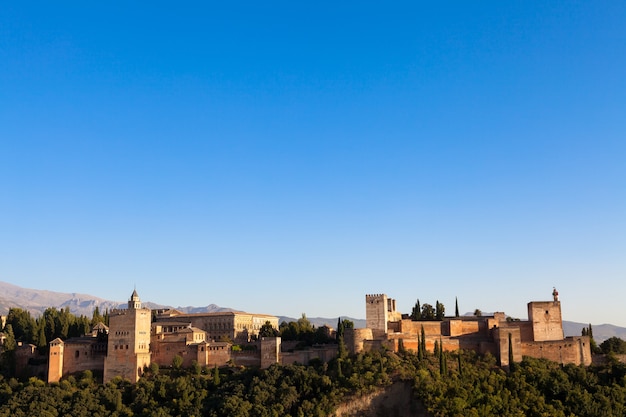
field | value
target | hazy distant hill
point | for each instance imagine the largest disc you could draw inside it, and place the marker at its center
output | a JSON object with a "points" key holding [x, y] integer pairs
{"points": [[601, 332], [36, 301]]}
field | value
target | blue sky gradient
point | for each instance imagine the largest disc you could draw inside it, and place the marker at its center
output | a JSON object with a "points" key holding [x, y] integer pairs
{"points": [[286, 158]]}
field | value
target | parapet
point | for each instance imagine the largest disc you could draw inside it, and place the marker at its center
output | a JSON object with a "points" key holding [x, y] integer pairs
{"points": [[374, 296]]}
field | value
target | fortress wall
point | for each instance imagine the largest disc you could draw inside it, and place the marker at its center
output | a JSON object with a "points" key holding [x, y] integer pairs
{"points": [[372, 345], [501, 337], [449, 344], [218, 354], [470, 326], [324, 354], [246, 358], [81, 357], [354, 339], [455, 327], [458, 327], [394, 326], [526, 330], [574, 350], [488, 347], [409, 343], [163, 352], [431, 328]]}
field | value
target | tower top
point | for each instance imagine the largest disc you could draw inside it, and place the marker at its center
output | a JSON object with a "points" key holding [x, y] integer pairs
{"points": [[134, 303]]}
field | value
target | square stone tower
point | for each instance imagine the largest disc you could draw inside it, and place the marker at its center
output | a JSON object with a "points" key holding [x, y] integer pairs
{"points": [[545, 317], [379, 310], [128, 349]]}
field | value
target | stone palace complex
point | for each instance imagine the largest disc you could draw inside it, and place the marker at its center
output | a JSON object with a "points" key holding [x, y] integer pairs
{"points": [[137, 337]]}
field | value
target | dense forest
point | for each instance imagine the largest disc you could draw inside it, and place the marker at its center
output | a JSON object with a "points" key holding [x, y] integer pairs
{"points": [[444, 384]]}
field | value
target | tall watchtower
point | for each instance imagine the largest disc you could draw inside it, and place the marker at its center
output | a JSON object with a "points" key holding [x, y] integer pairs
{"points": [[545, 317], [128, 349], [379, 310]]}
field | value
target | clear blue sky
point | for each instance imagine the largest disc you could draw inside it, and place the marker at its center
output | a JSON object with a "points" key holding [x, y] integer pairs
{"points": [[292, 157]]}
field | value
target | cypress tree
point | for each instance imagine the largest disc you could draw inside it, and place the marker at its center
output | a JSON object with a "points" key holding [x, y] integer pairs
{"points": [[511, 361], [339, 371], [8, 351], [341, 350], [456, 307], [423, 341], [416, 314], [216, 376], [420, 351], [339, 328], [443, 365], [401, 346], [41, 338], [439, 311]]}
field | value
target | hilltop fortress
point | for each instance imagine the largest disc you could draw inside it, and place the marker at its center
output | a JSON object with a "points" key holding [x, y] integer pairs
{"points": [[540, 336], [138, 337]]}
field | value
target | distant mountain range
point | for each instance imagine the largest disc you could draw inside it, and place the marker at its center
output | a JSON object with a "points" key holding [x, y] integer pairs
{"points": [[36, 302]]}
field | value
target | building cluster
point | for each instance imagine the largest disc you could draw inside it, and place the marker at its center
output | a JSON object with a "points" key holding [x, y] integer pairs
{"points": [[137, 337], [540, 336]]}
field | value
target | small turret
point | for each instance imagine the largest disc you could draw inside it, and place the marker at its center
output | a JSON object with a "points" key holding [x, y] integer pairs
{"points": [[134, 303]]}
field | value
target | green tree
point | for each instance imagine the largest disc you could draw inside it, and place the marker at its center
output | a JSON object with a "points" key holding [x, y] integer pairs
{"points": [[267, 330], [456, 307], [96, 317], [23, 324], [416, 313], [428, 312], [443, 361], [593, 345], [420, 351], [439, 311], [41, 342], [216, 376], [613, 345], [304, 324], [177, 362], [8, 351]]}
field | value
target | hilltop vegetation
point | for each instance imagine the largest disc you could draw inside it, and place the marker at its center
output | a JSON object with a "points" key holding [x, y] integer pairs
{"points": [[448, 384]]}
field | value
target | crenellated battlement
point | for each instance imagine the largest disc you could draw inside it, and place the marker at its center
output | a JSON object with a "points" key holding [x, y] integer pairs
{"points": [[374, 295]]}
